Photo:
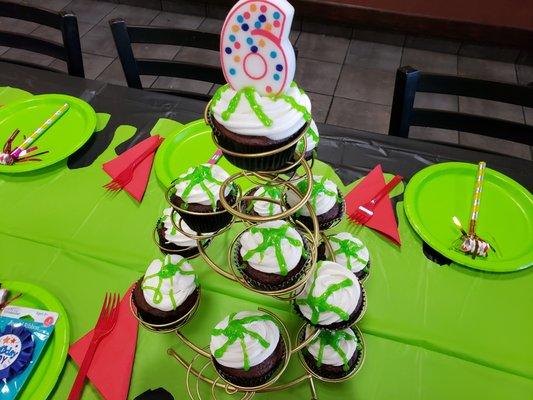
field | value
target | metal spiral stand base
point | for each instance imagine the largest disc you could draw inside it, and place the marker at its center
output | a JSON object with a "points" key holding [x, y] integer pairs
{"points": [[201, 368]]}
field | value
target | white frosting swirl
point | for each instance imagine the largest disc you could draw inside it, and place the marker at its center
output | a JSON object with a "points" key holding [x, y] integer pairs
{"points": [[267, 261], [164, 289], [172, 235], [265, 208], [346, 298], [199, 194], [355, 264], [233, 356], [330, 356], [322, 202], [311, 137], [286, 120]]}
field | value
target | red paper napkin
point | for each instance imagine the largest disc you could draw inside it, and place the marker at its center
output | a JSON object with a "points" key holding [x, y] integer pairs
{"points": [[137, 186], [110, 370], [383, 220]]}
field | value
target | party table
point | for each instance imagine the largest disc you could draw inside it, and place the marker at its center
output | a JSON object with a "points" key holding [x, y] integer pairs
{"points": [[431, 331]]}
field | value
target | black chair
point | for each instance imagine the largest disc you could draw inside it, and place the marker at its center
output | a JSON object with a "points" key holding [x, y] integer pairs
{"points": [[409, 81], [133, 67], [70, 51]]}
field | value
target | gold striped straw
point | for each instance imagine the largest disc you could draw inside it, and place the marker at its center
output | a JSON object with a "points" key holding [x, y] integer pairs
{"points": [[477, 196], [40, 130]]}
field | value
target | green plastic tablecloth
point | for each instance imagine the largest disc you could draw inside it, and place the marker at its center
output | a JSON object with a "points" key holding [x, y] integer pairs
{"points": [[432, 332]]}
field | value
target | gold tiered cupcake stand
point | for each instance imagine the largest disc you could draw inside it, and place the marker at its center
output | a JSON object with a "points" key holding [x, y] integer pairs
{"points": [[200, 369]]}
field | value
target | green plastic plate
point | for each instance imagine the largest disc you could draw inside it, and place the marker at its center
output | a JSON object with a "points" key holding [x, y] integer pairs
{"points": [[189, 146], [437, 193], [46, 374], [62, 139]]}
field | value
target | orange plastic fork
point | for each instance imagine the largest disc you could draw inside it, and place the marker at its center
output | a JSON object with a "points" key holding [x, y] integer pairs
{"points": [[105, 324], [365, 212]]}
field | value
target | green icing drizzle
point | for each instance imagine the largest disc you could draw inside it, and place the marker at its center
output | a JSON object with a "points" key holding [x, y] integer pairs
{"points": [[332, 339], [271, 192], [167, 271], [235, 330], [258, 110], [318, 188], [311, 136], [320, 304], [218, 95], [198, 176], [296, 106], [249, 93], [349, 248], [272, 237]]}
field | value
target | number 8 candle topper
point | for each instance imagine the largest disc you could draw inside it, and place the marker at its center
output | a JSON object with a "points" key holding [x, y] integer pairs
{"points": [[255, 50]]}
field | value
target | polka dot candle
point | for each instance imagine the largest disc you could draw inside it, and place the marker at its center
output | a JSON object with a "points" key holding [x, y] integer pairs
{"points": [[255, 46]]}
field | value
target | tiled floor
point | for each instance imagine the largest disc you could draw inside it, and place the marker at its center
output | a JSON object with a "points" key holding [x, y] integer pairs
{"points": [[350, 81]]}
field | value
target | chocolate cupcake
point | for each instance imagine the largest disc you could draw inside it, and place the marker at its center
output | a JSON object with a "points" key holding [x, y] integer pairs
{"points": [[332, 298], [333, 354], [351, 253], [325, 200], [271, 255], [248, 122], [195, 197], [167, 292], [265, 208], [171, 240], [312, 138], [247, 348]]}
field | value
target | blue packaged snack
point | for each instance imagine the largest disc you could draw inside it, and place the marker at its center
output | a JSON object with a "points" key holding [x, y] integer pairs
{"points": [[21, 345]]}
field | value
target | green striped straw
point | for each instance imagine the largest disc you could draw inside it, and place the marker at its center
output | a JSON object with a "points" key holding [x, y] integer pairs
{"points": [[39, 131], [477, 197]]}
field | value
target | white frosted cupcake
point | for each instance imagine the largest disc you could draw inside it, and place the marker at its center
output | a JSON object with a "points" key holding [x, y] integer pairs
{"points": [[167, 291], [247, 348], [171, 240], [247, 122], [350, 252], [312, 138], [333, 354], [196, 197], [265, 208], [271, 255], [332, 298], [326, 202]]}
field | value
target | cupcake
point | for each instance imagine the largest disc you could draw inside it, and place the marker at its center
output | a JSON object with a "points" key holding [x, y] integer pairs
{"points": [[247, 348], [325, 200], [171, 240], [167, 292], [248, 122], [312, 138], [332, 298], [265, 208], [271, 255], [333, 354], [196, 198], [351, 253]]}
